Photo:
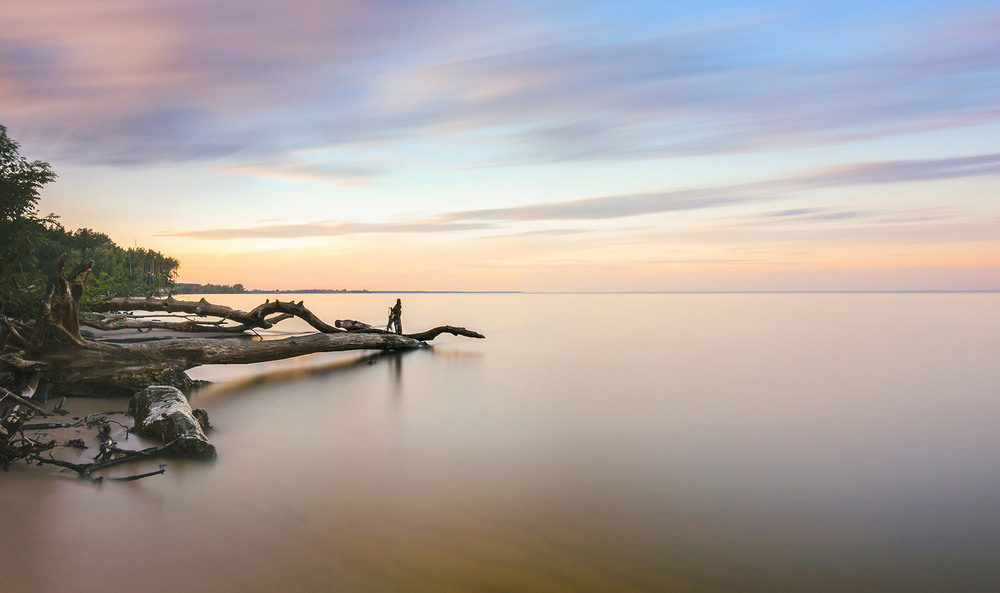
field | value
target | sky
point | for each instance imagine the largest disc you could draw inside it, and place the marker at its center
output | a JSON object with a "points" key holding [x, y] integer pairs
{"points": [[537, 146]]}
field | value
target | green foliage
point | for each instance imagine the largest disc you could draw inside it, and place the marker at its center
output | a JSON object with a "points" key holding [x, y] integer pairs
{"points": [[181, 288], [21, 229], [31, 245], [116, 272]]}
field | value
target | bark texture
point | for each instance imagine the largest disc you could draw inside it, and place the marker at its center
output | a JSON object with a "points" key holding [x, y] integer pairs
{"points": [[104, 368], [358, 327], [162, 412], [53, 349], [255, 318]]}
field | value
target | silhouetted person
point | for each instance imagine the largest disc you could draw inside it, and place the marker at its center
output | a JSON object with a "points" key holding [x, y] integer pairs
{"points": [[396, 317]]}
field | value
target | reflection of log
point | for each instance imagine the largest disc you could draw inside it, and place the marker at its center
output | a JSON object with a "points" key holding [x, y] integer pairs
{"points": [[163, 412]]}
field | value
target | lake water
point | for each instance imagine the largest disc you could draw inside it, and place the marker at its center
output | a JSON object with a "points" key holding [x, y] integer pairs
{"points": [[670, 442]]}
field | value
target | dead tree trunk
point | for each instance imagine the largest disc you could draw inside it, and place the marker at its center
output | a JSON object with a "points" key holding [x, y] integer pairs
{"points": [[358, 327], [103, 368], [257, 318], [59, 319], [73, 365]]}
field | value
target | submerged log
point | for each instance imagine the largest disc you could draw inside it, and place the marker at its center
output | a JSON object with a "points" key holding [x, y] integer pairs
{"points": [[163, 412]]}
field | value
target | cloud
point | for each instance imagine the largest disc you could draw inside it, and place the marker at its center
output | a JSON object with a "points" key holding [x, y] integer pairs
{"points": [[608, 207], [800, 215], [904, 171], [331, 174], [629, 205], [120, 82], [324, 229]]}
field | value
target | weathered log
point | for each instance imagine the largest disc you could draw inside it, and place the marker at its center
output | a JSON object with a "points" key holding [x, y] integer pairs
{"points": [[116, 368], [5, 393], [201, 308], [14, 410], [256, 318], [353, 326], [163, 412], [74, 365], [125, 322]]}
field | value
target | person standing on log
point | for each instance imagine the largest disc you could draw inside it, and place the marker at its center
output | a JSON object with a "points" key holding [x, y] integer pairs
{"points": [[396, 317]]}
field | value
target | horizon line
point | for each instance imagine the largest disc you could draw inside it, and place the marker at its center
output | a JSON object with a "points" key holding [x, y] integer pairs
{"points": [[831, 291]]}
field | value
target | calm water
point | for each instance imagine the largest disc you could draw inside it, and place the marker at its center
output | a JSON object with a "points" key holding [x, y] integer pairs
{"points": [[721, 442]]}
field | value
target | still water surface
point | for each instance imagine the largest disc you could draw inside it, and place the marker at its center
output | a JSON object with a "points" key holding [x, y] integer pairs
{"points": [[710, 442]]}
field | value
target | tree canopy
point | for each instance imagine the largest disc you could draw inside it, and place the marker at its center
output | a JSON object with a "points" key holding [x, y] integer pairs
{"points": [[21, 228], [31, 244]]}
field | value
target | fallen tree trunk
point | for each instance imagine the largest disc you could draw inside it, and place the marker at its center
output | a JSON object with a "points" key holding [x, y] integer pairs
{"points": [[358, 327], [74, 365], [163, 412], [256, 318], [104, 368], [120, 322]]}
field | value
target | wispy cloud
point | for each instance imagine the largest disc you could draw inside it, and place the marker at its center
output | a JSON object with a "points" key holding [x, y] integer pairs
{"points": [[325, 229], [330, 174], [117, 82], [623, 206]]}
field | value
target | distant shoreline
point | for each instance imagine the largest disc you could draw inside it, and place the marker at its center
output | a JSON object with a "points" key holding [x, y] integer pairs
{"points": [[332, 291]]}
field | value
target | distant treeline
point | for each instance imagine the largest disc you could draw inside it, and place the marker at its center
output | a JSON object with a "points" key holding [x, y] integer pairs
{"points": [[189, 288], [117, 272], [304, 291]]}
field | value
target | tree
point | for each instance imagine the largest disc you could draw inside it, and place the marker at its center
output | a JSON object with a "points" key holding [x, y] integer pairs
{"points": [[21, 283], [30, 245]]}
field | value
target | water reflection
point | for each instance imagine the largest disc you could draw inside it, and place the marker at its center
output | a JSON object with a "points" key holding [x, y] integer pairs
{"points": [[737, 443], [265, 376]]}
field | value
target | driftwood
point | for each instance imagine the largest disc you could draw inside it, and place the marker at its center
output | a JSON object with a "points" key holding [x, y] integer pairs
{"points": [[103, 368], [191, 325], [74, 365], [53, 347], [358, 327], [256, 318], [14, 411], [163, 412], [86, 470]]}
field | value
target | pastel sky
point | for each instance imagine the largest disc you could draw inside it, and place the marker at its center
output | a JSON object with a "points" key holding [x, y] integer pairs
{"points": [[509, 145]]}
